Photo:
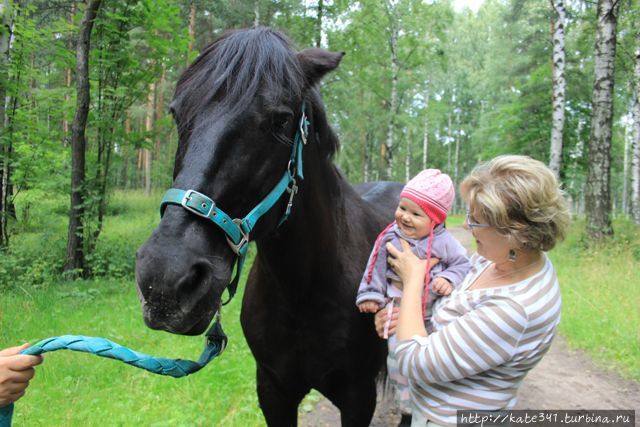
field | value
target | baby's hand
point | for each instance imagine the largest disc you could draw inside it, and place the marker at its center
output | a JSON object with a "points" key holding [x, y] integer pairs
{"points": [[442, 286], [368, 307]]}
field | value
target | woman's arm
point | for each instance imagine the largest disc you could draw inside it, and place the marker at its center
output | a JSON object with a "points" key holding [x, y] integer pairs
{"points": [[411, 270]]}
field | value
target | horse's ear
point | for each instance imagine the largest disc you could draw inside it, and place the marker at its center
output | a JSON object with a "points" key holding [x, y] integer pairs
{"points": [[317, 62]]}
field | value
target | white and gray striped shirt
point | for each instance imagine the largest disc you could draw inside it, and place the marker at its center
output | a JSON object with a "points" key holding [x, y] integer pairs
{"points": [[484, 343]]}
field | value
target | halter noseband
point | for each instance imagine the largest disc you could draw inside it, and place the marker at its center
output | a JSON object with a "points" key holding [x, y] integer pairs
{"points": [[237, 231]]}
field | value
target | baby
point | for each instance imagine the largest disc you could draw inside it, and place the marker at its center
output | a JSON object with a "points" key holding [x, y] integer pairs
{"points": [[419, 219]]}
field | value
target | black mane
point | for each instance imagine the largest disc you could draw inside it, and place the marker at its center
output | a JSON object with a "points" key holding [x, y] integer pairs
{"points": [[234, 67]]}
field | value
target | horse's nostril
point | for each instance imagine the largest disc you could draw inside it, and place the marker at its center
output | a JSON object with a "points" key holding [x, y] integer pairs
{"points": [[197, 277]]}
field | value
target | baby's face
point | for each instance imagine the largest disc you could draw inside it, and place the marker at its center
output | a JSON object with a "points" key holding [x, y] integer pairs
{"points": [[412, 220]]}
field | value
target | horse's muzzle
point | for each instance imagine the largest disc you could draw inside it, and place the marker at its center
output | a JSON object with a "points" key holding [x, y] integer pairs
{"points": [[179, 294]]}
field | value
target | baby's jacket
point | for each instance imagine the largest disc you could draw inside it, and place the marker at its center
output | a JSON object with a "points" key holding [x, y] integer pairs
{"points": [[453, 266]]}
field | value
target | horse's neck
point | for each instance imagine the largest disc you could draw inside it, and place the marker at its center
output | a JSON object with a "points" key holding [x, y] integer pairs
{"points": [[325, 222]]}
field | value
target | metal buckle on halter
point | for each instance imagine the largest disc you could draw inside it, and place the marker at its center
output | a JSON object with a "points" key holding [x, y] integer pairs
{"points": [[302, 128], [202, 208], [292, 190], [243, 240]]}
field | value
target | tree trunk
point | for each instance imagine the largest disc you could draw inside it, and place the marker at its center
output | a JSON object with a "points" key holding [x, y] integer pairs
{"points": [[192, 30], [256, 13], [598, 193], [558, 22], [319, 18], [67, 84], [393, 107], [456, 160], [159, 107], [148, 124], [6, 32], [125, 151], [628, 140], [425, 136], [407, 157], [75, 245], [635, 156], [449, 139]]}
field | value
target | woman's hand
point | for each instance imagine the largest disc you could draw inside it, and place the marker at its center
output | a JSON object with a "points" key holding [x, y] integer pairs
{"points": [[15, 372], [409, 267], [381, 318]]}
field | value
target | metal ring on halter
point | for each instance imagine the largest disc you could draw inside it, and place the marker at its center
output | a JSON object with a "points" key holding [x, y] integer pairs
{"points": [[291, 169], [243, 241]]}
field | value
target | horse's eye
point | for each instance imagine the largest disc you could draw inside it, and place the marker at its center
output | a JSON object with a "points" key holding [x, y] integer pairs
{"points": [[281, 120]]}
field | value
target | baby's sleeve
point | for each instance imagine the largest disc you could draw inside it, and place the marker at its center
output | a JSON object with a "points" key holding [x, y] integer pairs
{"points": [[456, 264], [373, 285]]}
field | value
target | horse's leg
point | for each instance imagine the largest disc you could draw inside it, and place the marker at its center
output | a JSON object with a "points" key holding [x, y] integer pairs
{"points": [[279, 402], [359, 405], [355, 400]]}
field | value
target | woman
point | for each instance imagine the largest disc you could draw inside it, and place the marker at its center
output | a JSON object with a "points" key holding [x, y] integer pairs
{"points": [[500, 321]]}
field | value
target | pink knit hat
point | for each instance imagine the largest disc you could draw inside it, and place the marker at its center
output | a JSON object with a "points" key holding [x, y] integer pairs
{"points": [[433, 191]]}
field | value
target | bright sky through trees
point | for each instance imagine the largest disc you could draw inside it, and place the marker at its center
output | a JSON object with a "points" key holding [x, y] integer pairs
{"points": [[474, 5]]}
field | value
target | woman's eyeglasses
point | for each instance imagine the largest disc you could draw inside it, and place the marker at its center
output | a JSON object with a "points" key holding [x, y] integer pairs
{"points": [[472, 224]]}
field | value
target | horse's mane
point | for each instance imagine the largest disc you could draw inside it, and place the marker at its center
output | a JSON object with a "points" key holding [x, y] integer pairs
{"points": [[233, 68]]}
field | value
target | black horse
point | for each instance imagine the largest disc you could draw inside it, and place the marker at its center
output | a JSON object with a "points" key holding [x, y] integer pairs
{"points": [[237, 109]]}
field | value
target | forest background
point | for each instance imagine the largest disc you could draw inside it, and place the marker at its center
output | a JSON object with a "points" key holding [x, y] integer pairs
{"points": [[423, 84]]}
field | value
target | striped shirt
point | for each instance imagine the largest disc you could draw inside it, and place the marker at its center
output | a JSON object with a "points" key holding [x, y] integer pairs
{"points": [[484, 343]]}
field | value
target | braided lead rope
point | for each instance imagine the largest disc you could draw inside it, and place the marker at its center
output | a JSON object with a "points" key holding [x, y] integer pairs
{"points": [[177, 368]]}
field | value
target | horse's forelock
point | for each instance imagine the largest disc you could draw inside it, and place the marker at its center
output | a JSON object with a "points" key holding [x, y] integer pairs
{"points": [[234, 68]]}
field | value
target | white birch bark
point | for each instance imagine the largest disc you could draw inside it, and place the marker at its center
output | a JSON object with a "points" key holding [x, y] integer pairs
{"points": [[635, 157], [256, 12], [628, 136], [456, 159], [407, 158], [425, 136], [559, 86], [598, 193], [449, 138], [393, 42], [393, 106]]}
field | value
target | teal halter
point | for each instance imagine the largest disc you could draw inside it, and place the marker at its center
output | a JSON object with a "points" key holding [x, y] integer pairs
{"points": [[238, 230]]}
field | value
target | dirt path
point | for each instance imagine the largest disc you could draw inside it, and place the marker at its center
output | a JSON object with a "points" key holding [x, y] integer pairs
{"points": [[564, 379]]}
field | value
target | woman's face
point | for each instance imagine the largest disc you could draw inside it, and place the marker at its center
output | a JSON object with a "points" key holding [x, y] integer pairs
{"points": [[490, 244]]}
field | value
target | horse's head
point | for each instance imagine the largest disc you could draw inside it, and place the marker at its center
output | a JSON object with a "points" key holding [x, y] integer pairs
{"points": [[237, 109]]}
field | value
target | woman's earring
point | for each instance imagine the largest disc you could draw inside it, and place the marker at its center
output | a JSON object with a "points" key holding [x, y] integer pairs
{"points": [[512, 255]]}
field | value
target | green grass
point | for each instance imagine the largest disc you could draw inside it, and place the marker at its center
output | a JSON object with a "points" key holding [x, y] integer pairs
{"points": [[601, 296]]}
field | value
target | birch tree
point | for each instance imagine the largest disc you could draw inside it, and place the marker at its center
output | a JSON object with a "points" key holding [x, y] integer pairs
{"points": [[386, 152], [75, 242], [425, 135], [598, 192], [558, 21], [635, 156]]}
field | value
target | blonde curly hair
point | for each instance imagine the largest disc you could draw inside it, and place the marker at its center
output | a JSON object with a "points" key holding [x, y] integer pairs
{"points": [[520, 197]]}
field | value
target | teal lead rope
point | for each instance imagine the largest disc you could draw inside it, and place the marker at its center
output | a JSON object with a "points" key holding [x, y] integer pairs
{"points": [[177, 368]]}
